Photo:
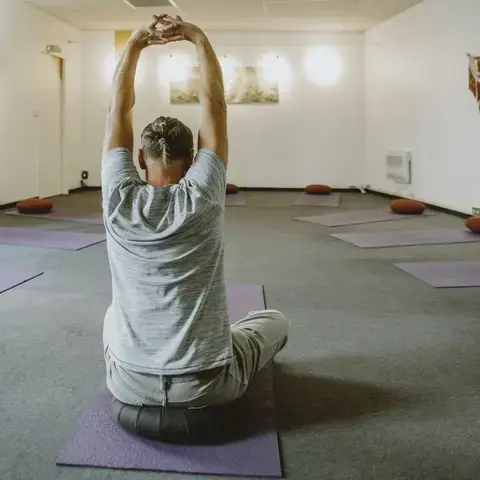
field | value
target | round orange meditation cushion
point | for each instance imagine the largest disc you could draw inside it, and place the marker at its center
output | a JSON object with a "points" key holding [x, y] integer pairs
{"points": [[318, 190], [35, 205], [231, 189], [473, 223], [407, 207]]}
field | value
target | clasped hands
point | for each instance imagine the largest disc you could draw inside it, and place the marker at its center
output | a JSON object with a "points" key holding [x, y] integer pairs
{"points": [[166, 29]]}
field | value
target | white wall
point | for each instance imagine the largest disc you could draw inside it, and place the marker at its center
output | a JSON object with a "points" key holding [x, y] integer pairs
{"points": [[24, 32], [98, 66], [417, 98], [315, 134]]}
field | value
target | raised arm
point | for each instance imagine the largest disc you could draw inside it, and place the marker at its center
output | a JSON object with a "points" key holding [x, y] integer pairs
{"points": [[119, 130], [213, 128]]}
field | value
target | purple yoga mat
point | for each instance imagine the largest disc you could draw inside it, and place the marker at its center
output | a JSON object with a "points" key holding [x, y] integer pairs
{"points": [[406, 238], [99, 441], [332, 200], [444, 274], [13, 277], [64, 216], [358, 217], [36, 237]]}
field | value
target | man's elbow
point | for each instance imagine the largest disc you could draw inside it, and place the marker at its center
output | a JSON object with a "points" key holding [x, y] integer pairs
{"points": [[216, 102], [221, 106], [119, 110], [218, 110]]}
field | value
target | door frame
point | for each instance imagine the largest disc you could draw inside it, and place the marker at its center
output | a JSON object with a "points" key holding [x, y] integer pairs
{"points": [[59, 60], [61, 72]]}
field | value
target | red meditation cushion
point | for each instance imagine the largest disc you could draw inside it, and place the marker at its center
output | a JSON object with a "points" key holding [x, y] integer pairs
{"points": [[231, 189], [35, 205], [407, 207], [318, 190], [473, 223]]}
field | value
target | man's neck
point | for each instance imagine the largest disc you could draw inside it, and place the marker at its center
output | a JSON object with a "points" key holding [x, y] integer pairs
{"points": [[161, 177]]}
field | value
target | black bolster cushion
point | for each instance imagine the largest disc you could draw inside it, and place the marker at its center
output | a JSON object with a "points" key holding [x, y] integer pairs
{"points": [[174, 425]]}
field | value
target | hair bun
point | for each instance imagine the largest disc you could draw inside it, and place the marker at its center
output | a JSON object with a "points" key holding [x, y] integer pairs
{"points": [[160, 127]]}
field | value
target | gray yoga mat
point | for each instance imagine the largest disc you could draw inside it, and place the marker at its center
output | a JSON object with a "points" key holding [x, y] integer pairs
{"points": [[406, 238], [332, 200], [444, 274], [99, 441], [236, 200], [13, 277], [37, 237], [358, 217], [63, 215]]}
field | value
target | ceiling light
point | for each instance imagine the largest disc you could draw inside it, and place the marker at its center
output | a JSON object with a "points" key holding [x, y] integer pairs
{"points": [[324, 65]]}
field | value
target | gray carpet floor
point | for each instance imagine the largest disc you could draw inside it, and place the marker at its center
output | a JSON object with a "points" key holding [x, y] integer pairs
{"points": [[379, 380]]}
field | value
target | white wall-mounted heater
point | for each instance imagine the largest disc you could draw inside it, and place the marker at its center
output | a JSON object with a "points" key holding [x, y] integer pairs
{"points": [[399, 166]]}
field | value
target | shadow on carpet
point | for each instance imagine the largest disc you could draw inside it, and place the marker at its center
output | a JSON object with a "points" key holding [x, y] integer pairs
{"points": [[306, 399]]}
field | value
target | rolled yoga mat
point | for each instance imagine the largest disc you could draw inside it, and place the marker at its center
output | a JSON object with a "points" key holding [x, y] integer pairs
{"points": [[444, 274], [36, 237], [406, 238], [99, 441], [236, 200], [64, 216], [13, 277], [358, 217], [332, 200]]}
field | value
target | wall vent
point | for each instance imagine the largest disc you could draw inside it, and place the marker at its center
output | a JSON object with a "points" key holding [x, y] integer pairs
{"points": [[148, 3], [399, 166]]}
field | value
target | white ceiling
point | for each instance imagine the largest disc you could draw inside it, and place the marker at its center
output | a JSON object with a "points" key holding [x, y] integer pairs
{"points": [[289, 15]]}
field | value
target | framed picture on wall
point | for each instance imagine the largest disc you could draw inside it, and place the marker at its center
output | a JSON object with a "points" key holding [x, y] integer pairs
{"points": [[243, 85]]}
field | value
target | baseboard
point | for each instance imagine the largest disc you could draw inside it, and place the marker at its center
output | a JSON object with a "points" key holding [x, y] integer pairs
{"points": [[244, 189], [431, 206], [268, 189], [347, 190], [84, 189], [286, 189], [8, 206]]}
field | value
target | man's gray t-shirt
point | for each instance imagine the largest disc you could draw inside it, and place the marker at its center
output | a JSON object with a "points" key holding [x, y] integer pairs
{"points": [[169, 311]]}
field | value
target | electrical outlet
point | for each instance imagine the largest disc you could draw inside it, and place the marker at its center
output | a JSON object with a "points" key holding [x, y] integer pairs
{"points": [[476, 210], [85, 175]]}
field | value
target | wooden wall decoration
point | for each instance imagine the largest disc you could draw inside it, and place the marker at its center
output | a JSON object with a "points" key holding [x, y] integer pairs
{"points": [[121, 39], [58, 61], [474, 77]]}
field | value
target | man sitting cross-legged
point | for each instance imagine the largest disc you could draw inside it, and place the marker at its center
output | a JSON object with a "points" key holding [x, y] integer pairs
{"points": [[167, 338]]}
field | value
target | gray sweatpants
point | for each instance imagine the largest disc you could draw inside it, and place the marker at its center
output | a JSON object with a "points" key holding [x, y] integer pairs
{"points": [[256, 340]]}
